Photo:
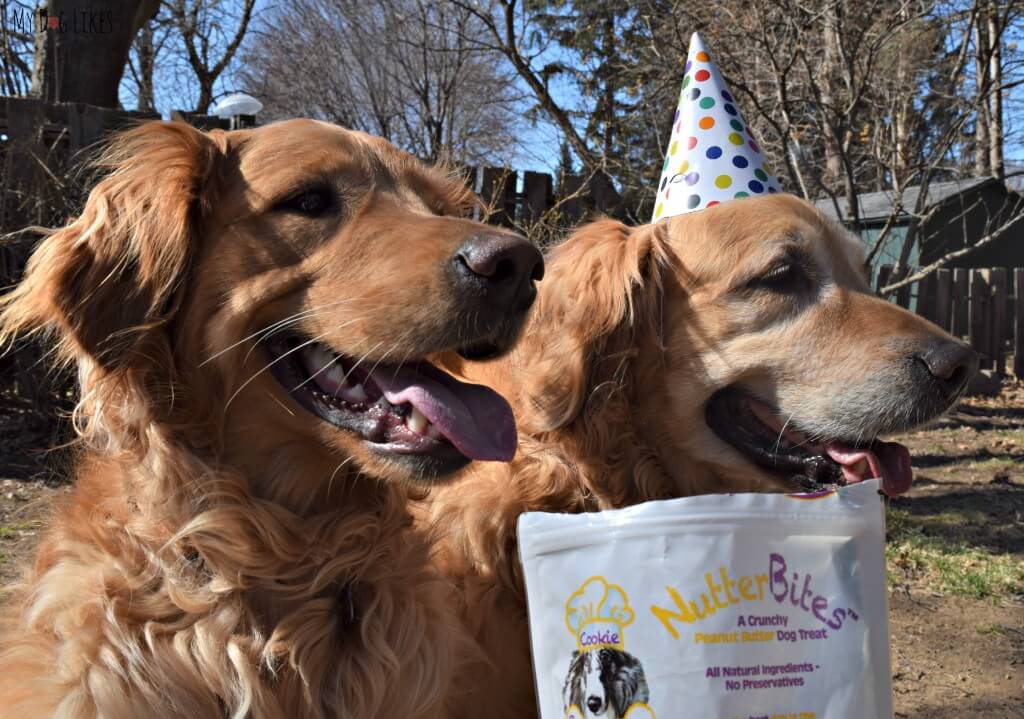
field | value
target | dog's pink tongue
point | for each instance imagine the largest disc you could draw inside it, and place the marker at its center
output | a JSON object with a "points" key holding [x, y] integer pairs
{"points": [[474, 418], [888, 460]]}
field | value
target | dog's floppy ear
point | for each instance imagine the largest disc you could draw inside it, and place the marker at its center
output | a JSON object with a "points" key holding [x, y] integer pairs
{"points": [[572, 690], [102, 283], [607, 281], [626, 680]]}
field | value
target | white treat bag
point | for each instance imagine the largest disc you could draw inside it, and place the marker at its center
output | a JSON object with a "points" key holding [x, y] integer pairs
{"points": [[712, 607]]}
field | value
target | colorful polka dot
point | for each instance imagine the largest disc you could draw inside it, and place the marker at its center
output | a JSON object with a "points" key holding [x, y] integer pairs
{"points": [[684, 166], [706, 123], [740, 161], [714, 152], [735, 138], [761, 175], [664, 181], [755, 186], [686, 81], [701, 75], [736, 125], [727, 96], [695, 93], [658, 210], [723, 181], [753, 146], [707, 103], [730, 109], [691, 143], [713, 203], [702, 56], [676, 118], [665, 166], [772, 190], [673, 147], [691, 178], [686, 68], [740, 195], [692, 201]]}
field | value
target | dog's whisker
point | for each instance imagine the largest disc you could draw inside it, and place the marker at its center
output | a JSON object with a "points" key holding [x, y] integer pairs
{"points": [[273, 327], [268, 366]]}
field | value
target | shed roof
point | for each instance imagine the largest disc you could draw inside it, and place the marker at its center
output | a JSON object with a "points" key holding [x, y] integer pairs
{"points": [[877, 206]]}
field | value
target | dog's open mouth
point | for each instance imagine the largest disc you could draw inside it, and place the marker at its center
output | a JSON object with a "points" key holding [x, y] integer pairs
{"points": [[410, 409], [755, 430]]}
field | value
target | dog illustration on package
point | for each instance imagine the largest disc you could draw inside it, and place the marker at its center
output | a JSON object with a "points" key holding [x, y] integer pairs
{"points": [[603, 679]]}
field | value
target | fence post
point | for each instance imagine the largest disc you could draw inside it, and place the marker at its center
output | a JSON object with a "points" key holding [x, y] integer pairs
{"points": [[977, 320], [1018, 345], [961, 291], [943, 298], [537, 195], [997, 332], [926, 297], [572, 209], [498, 191], [903, 296], [884, 272]]}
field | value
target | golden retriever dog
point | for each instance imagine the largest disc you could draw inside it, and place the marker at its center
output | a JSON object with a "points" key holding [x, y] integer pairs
{"points": [[738, 348], [249, 314]]}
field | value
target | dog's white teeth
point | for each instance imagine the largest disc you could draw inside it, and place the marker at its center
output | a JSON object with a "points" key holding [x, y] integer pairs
{"points": [[336, 374], [320, 357], [417, 422], [433, 432], [357, 393]]}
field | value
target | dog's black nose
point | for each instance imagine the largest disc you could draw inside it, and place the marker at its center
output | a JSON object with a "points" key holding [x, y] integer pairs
{"points": [[501, 266], [951, 364], [594, 704]]}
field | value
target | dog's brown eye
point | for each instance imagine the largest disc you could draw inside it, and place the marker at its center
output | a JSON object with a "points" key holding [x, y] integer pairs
{"points": [[311, 203], [784, 277]]}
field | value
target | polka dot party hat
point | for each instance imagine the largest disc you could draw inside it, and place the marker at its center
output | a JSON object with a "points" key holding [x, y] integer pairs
{"points": [[712, 156]]}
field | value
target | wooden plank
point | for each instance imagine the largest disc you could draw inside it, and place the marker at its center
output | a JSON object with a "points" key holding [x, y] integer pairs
{"points": [[603, 193], [1018, 306], [884, 272], [572, 210], [926, 297], [961, 302], [85, 126], [998, 328], [943, 298], [977, 318], [538, 194], [497, 187]]}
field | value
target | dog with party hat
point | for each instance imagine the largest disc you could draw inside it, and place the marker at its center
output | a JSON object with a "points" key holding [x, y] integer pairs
{"points": [[603, 679], [733, 344]]}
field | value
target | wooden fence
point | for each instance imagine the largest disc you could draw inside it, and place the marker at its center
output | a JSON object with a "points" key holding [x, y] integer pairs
{"points": [[983, 306]]}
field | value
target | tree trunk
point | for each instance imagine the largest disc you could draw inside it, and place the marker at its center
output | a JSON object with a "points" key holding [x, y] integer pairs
{"points": [[147, 54], [995, 105], [834, 173], [81, 54], [982, 146]]}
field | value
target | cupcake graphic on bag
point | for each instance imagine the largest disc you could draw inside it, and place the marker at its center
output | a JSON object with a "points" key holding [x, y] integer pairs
{"points": [[603, 680]]}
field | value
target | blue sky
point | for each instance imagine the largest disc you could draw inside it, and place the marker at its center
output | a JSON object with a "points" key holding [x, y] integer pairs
{"points": [[539, 145]]}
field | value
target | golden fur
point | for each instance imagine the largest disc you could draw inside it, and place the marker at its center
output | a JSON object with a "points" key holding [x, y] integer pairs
{"points": [[633, 331], [223, 553]]}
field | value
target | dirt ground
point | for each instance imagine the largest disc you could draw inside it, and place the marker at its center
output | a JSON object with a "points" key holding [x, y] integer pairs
{"points": [[955, 552]]}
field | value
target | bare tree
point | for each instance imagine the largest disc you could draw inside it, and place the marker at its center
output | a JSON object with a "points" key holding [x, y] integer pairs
{"points": [[402, 69], [150, 48], [211, 32], [17, 39], [80, 51]]}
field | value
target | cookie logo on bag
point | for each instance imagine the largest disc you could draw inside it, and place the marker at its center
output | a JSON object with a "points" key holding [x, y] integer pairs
{"points": [[603, 679]]}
